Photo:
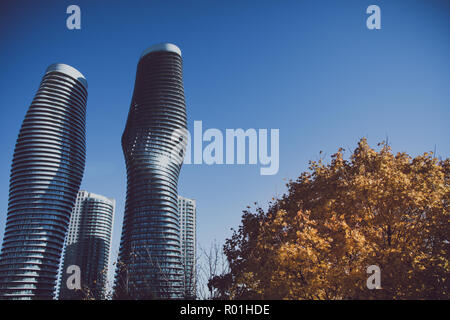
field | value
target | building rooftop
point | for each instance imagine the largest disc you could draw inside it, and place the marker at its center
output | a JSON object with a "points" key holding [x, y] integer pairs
{"points": [[162, 47], [69, 70]]}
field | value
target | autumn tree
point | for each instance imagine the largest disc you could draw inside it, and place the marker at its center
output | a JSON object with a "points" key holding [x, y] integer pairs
{"points": [[316, 242]]}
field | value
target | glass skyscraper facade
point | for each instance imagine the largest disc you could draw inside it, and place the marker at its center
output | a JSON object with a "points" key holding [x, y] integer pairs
{"points": [[46, 173], [149, 265], [88, 246], [188, 212]]}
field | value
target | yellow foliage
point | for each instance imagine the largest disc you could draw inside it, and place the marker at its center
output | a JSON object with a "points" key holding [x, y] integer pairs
{"points": [[316, 242]]}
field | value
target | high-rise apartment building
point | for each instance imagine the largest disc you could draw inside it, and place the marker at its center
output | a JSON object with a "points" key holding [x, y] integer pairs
{"points": [[46, 173], [88, 246], [149, 264], [188, 211]]}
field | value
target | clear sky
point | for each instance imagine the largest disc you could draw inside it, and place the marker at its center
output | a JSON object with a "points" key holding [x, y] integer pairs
{"points": [[311, 69]]}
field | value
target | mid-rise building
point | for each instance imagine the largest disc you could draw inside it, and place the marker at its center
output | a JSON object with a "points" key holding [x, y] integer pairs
{"points": [[46, 173], [188, 211], [88, 246]]}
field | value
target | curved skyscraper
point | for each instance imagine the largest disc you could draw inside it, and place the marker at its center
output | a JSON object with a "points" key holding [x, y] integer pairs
{"points": [[150, 264], [46, 172]]}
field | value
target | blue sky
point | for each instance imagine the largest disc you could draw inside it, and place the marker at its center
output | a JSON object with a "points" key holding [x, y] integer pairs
{"points": [[308, 68]]}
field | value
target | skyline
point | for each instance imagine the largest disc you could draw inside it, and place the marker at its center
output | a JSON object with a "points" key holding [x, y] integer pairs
{"points": [[330, 75]]}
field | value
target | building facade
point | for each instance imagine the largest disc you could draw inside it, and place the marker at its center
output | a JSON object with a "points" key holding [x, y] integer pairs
{"points": [[188, 212], [46, 173], [88, 246], [149, 264]]}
